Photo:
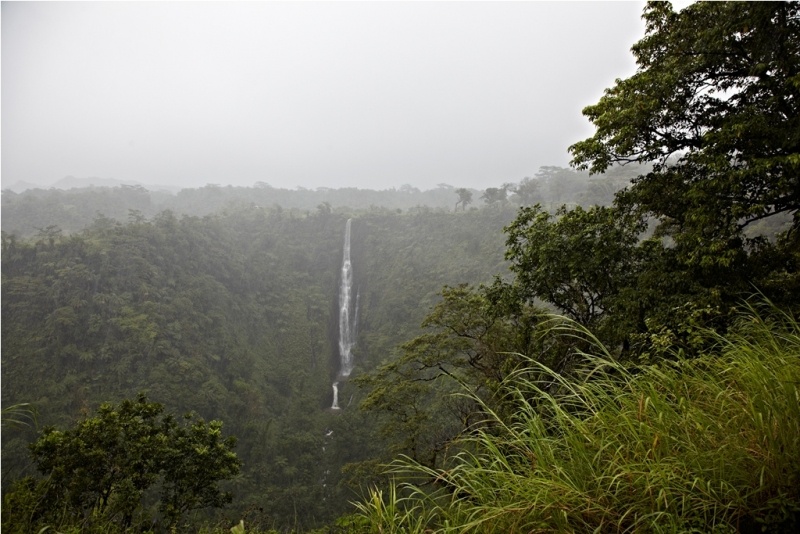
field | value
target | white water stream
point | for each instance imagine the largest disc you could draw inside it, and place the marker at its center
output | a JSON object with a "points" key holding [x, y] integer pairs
{"points": [[347, 320]]}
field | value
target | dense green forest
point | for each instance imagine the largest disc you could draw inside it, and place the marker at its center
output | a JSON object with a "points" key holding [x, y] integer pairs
{"points": [[597, 354], [232, 316]]}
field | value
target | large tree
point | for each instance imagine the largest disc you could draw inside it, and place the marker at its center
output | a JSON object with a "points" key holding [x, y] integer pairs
{"points": [[712, 116], [714, 106]]}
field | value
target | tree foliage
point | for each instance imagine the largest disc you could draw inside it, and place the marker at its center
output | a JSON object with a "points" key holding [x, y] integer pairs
{"points": [[579, 261], [711, 116], [493, 196], [471, 341], [715, 107], [100, 470], [232, 316], [464, 198]]}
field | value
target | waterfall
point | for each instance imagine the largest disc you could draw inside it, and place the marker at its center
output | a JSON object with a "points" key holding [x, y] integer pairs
{"points": [[345, 296], [335, 405], [348, 318]]}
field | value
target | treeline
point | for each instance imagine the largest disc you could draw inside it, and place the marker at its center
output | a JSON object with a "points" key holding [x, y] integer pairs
{"points": [[29, 212]]}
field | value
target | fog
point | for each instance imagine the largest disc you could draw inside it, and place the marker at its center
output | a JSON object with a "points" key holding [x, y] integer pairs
{"points": [[368, 95]]}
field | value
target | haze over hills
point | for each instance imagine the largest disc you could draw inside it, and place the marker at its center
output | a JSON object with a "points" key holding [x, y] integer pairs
{"points": [[73, 208], [71, 182]]}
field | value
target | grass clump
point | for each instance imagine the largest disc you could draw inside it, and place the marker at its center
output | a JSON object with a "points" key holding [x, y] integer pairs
{"points": [[710, 444]]}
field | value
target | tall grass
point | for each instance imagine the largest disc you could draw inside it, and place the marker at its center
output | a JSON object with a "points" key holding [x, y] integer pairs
{"points": [[394, 514], [19, 415], [710, 444]]}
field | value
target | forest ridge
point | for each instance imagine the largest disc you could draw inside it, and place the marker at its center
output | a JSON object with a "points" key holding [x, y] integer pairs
{"points": [[72, 210]]}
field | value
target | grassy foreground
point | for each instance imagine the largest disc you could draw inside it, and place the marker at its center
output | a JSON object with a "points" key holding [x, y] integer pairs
{"points": [[710, 444]]}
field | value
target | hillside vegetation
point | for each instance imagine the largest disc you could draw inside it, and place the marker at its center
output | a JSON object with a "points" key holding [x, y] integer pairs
{"points": [[233, 317], [709, 444]]}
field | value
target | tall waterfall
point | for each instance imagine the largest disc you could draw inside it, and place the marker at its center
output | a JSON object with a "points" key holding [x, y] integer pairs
{"points": [[348, 318]]}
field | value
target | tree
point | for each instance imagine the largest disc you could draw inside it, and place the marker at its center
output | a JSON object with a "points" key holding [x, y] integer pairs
{"points": [[583, 262], [601, 190], [464, 197], [470, 341], [495, 195], [527, 191], [714, 106], [196, 459], [102, 467], [560, 186], [324, 209]]}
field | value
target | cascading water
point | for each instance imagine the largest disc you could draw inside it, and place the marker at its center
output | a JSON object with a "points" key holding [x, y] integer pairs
{"points": [[347, 326], [335, 405]]}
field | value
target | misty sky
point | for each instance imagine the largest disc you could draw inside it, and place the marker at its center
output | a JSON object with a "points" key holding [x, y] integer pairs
{"points": [[370, 95]]}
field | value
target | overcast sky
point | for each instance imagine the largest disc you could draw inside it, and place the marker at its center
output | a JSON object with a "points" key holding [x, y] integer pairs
{"points": [[370, 95]]}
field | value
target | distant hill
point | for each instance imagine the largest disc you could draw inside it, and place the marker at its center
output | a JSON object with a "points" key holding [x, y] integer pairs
{"points": [[73, 204], [20, 186], [71, 182]]}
